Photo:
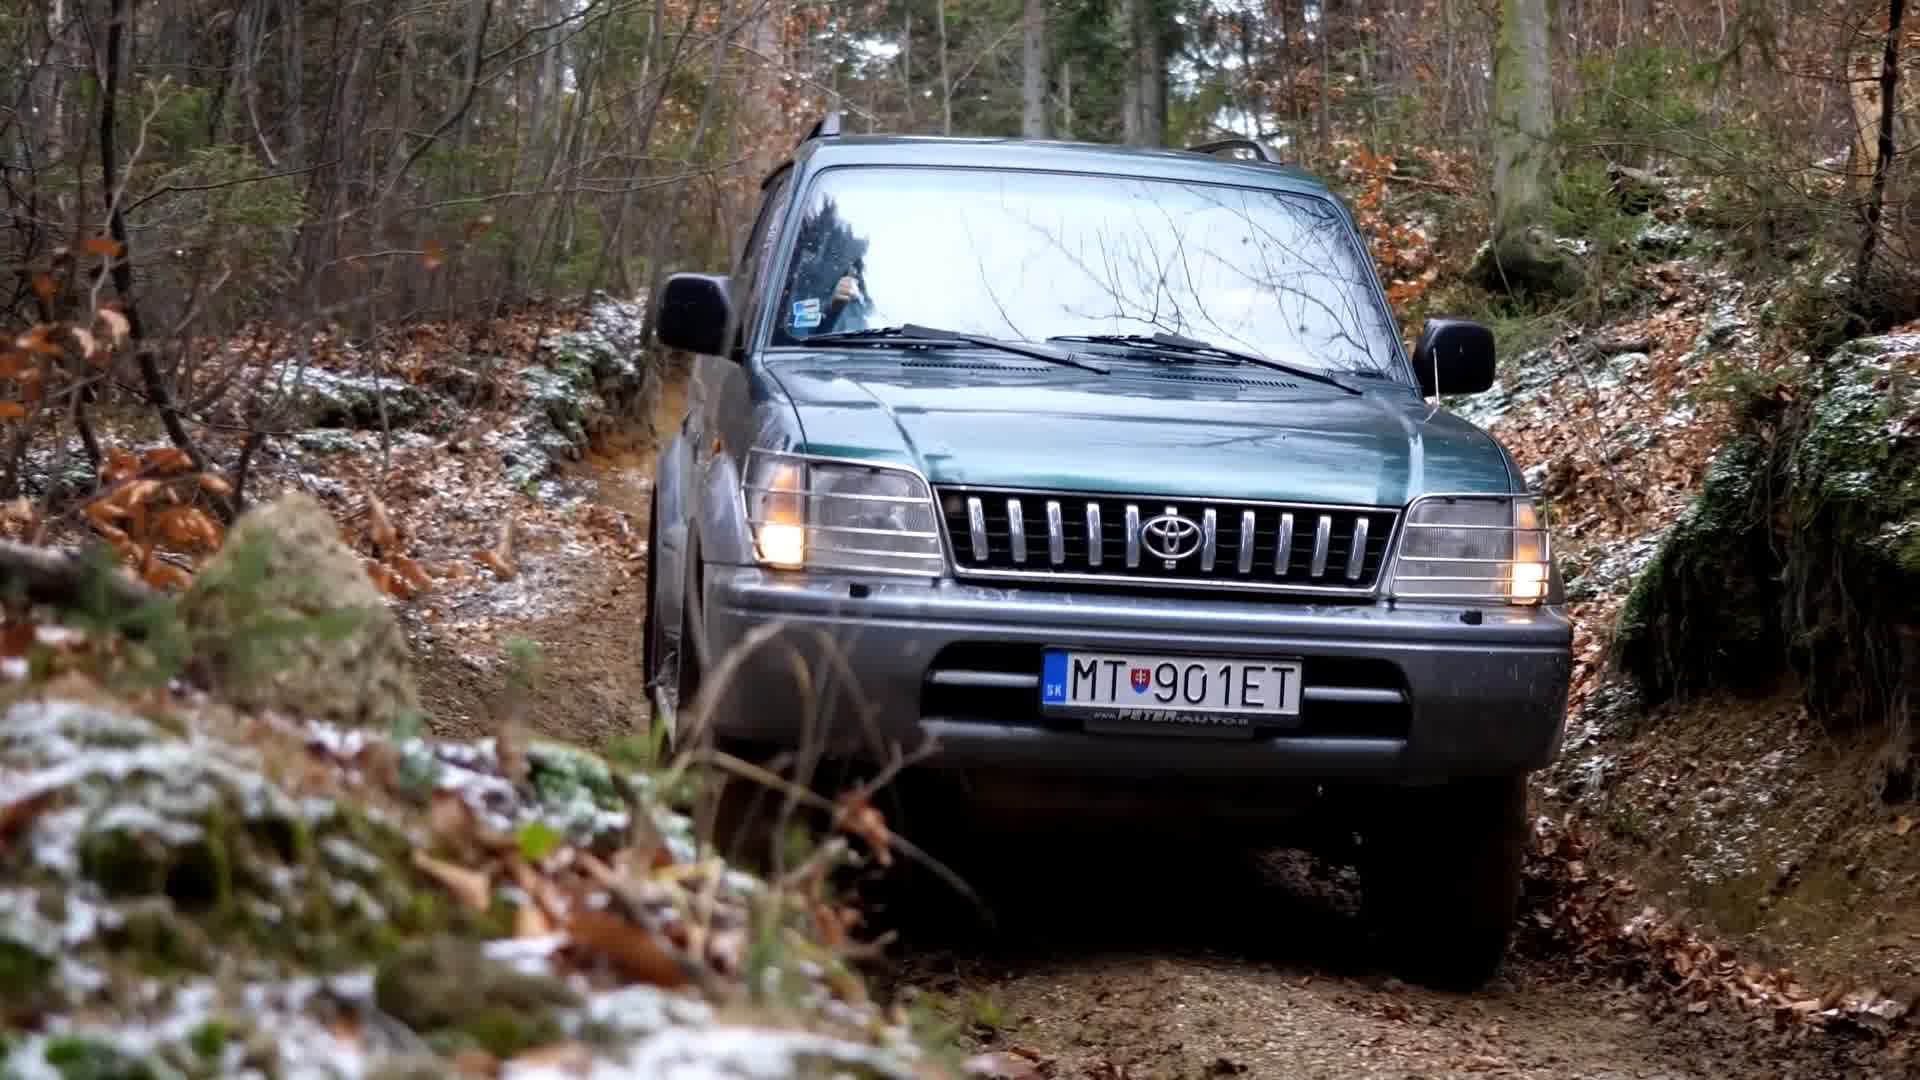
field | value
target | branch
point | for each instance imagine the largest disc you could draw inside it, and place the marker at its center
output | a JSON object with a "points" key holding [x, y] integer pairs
{"points": [[47, 576], [172, 189]]}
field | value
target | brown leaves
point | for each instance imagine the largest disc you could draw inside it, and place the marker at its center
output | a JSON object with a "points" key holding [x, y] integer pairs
{"points": [[15, 816], [473, 888], [633, 951], [1902, 825], [104, 247], [858, 816], [1581, 911]]}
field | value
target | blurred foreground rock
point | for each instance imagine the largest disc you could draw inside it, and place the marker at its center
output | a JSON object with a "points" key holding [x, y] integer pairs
{"points": [[296, 625]]}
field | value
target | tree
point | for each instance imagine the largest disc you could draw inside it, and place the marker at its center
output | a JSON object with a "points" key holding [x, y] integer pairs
{"points": [[1033, 82], [1873, 272], [1521, 256], [1144, 97]]}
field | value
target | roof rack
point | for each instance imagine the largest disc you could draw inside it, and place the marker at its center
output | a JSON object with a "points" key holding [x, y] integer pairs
{"points": [[1259, 148], [826, 127]]}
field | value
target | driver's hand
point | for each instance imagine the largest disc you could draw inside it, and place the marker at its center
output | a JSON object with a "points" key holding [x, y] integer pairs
{"points": [[847, 290]]}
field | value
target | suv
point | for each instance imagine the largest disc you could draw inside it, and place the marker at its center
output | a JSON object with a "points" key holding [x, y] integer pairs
{"points": [[1105, 471]]}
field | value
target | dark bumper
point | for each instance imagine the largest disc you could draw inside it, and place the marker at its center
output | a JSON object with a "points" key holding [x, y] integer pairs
{"points": [[1407, 694]]}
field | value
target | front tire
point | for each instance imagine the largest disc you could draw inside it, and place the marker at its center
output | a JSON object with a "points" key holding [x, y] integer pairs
{"points": [[1440, 878]]}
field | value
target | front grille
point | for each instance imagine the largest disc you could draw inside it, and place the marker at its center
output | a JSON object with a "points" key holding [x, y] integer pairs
{"points": [[1224, 544]]}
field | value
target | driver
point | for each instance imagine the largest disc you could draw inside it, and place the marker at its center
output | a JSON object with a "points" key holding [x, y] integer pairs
{"points": [[827, 251]]}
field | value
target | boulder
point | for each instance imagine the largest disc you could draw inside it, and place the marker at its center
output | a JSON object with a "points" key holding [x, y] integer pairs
{"points": [[287, 618]]}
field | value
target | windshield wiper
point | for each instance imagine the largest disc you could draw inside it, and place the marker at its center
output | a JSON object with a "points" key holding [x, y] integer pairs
{"points": [[1193, 347], [910, 334]]}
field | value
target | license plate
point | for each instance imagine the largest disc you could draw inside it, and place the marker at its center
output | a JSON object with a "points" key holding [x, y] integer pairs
{"points": [[1195, 694]]}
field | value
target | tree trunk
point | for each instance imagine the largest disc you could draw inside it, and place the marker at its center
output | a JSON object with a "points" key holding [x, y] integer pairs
{"points": [[1144, 122], [1033, 86], [1520, 256], [946, 81], [1868, 306]]}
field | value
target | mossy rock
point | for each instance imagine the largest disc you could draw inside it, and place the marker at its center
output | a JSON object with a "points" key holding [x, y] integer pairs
{"points": [[1529, 265], [330, 400], [291, 621], [1801, 553], [1704, 609]]}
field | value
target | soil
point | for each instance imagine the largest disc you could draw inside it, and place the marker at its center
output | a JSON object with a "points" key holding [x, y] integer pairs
{"points": [[588, 686], [1137, 963], [1176, 966]]}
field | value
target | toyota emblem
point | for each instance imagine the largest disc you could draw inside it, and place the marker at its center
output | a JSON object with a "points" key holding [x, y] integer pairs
{"points": [[1170, 536]]}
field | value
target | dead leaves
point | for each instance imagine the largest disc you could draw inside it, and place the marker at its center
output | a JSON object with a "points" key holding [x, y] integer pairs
{"points": [[473, 888], [1580, 911], [634, 952]]}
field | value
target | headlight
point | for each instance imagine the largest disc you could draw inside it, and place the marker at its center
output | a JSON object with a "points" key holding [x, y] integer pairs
{"points": [[1472, 548], [835, 515]]}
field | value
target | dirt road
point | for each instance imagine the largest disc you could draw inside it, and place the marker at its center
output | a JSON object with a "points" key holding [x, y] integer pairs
{"points": [[1153, 966], [1145, 961]]}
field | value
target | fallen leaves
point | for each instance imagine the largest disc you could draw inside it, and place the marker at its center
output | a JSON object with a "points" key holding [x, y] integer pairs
{"points": [[473, 888], [633, 951], [1581, 912]]}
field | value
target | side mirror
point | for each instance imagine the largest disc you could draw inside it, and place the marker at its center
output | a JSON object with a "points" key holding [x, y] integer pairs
{"points": [[694, 314], [1454, 356]]}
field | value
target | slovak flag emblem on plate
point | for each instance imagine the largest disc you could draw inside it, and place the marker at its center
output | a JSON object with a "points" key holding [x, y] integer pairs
{"points": [[1141, 680]]}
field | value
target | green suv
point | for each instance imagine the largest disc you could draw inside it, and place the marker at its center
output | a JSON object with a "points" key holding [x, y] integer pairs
{"points": [[1102, 475]]}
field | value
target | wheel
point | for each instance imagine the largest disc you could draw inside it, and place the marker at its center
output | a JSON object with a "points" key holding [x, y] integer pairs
{"points": [[1440, 878]]}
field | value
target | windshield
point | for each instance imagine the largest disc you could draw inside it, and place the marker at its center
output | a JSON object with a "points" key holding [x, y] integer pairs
{"points": [[1030, 256]]}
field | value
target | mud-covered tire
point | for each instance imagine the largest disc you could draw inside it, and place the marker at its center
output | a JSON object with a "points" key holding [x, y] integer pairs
{"points": [[1440, 878]]}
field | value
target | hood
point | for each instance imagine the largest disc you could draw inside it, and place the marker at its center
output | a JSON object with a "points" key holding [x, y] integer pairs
{"points": [[1195, 431]]}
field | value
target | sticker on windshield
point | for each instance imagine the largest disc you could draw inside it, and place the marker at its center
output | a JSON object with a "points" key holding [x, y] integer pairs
{"points": [[806, 313]]}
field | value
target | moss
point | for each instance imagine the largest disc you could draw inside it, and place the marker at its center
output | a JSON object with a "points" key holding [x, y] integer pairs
{"points": [[210, 1039], [26, 974], [449, 986], [1704, 606], [562, 773], [159, 941], [78, 1058], [1801, 553], [504, 1031]]}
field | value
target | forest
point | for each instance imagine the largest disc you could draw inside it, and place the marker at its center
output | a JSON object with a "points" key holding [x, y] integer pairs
{"points": [[360, 289]]}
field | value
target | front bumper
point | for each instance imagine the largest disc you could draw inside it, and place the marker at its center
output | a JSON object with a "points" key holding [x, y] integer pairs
{"points": [[1403, 694]]}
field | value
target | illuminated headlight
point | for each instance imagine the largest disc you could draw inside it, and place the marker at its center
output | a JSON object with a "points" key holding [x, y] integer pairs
{"points": [[835, 515], [1472, 548]]}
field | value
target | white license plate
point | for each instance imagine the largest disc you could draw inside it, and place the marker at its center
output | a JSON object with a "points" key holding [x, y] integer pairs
{"points": [[1181, 691]]}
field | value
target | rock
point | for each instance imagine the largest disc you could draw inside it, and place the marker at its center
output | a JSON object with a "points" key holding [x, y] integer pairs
{"points": [[1636, 190], [1533, 264], [1799, 554], [584, 380], [1661, 238], [331, 400], [447, 987], [292, 622]]}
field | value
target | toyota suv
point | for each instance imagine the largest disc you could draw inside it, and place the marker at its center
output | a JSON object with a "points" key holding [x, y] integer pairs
{"points": [[1101, 478]]}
